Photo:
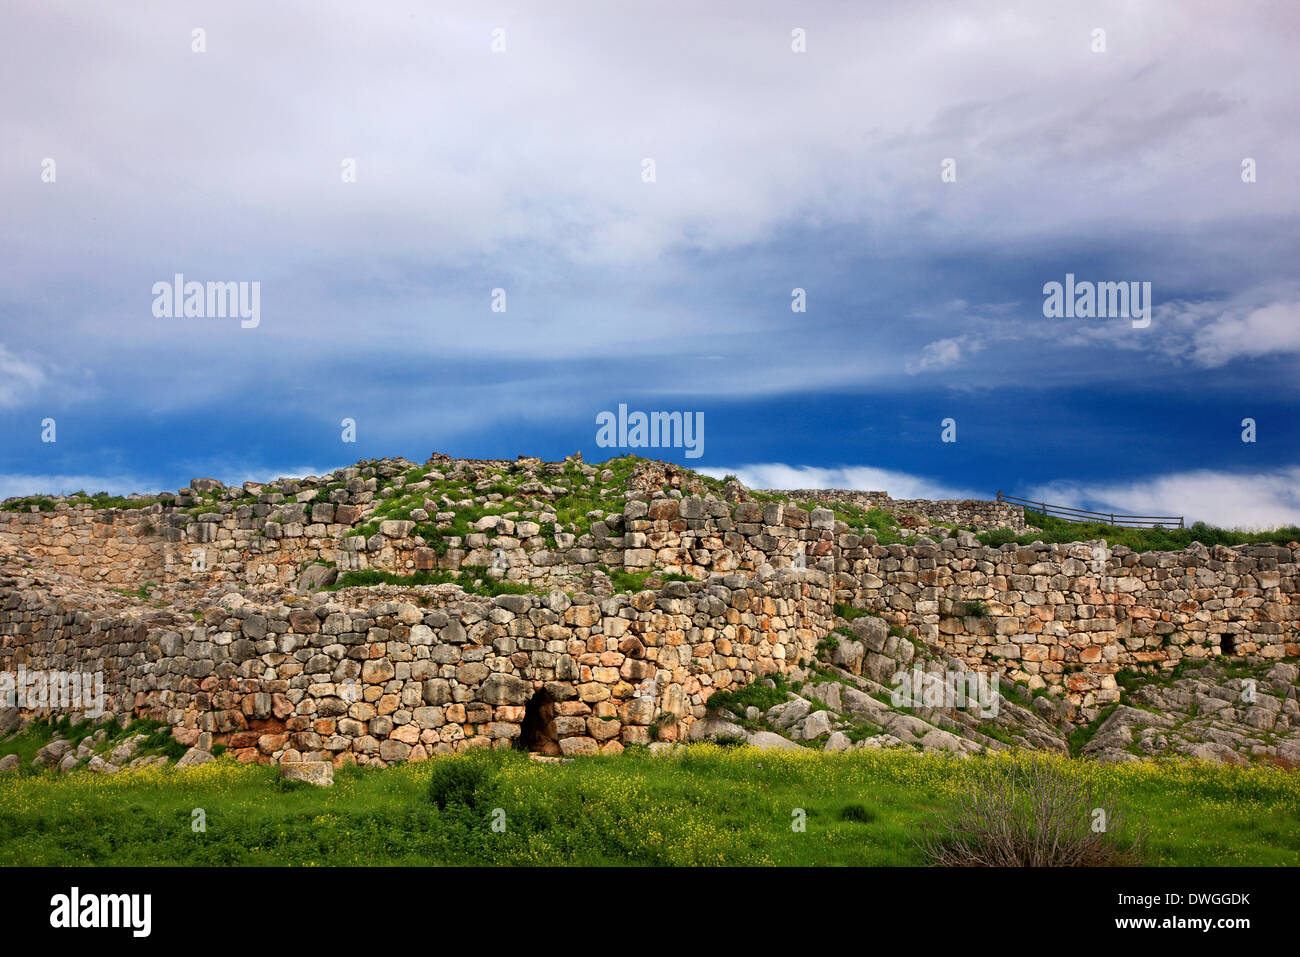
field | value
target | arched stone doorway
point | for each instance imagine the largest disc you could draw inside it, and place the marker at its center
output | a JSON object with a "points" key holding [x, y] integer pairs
{"points": [[537, 733]]}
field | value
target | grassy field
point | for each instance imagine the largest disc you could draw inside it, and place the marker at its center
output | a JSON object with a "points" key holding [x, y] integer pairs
{"points": [[703, 805]]}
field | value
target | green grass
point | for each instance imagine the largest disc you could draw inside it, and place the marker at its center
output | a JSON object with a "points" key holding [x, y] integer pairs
{"points": [[625, 581], [864, 730], [37, 734], [866, 521], [44, 503], [702, 805], [399, 508], [832, 641], [1057, 531], [439, 539], [31, 739], [996, 732], [750, 695], [849, 613], [570, 508], [647, 579]]}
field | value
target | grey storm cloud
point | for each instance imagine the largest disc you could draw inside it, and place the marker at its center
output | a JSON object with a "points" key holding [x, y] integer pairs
{"points": [[522, 169]]}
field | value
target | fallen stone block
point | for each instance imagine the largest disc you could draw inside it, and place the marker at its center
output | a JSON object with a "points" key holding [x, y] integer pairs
{"points": [[319, 773], [771, 740], [194, 757]]}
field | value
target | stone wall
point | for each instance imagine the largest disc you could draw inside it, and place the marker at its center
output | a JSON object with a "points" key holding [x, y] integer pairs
{"points": [[967, 513], [266, 542], [389, 680], [1045, 614], [1073, 615]]}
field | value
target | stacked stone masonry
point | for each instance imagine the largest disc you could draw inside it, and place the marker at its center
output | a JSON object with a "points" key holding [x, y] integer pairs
{"points": [[598, 672], [270, 542], [959, 512], [395, 681]]}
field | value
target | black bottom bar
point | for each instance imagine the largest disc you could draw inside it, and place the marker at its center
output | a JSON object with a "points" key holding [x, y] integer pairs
{"points": [[306, 908]]}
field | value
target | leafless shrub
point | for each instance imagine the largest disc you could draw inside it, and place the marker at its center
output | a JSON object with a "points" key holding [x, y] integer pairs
{"points": [[1030, 811]]}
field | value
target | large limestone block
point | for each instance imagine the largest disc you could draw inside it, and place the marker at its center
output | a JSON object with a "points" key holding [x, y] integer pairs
{"points": [[319, 773]]}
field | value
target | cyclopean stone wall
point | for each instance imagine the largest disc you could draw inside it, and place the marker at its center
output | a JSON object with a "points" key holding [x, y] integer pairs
{"points": [[391, 680], [269, 678], [259, 542], [970, 513], [1064, 616], [1073, 615]]}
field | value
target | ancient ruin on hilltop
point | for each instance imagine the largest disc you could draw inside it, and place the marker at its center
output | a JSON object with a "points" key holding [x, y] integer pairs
{"points": [[571, 608]]}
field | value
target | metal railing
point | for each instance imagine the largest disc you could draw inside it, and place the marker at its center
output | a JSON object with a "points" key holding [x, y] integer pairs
{"points": [[1083, 515]]}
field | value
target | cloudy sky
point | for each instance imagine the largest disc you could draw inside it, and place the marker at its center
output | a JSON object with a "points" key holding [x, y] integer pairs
{"points": [[523, 168]]}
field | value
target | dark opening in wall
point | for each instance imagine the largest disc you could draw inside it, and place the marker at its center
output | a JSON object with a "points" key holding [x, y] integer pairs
{"points": [[1228, 644], [538, 728]]}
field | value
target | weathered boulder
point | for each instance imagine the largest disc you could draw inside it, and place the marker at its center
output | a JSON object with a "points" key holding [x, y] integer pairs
{"points": [[848, 654], [838, 741], [786, 714], [194, 757], [872, 632], [319, 773], [51, 754], [712, 727], [814, 726]]}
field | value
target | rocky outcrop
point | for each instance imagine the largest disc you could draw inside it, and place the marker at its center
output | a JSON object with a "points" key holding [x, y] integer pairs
{"points": [[1211, 713]]}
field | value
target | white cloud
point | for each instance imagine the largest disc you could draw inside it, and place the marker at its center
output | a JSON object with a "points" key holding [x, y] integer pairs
{"points": [[262, 475], [1208, 332], [1273, 328], [943, 353], [20, 379], [1250, 501], [14, 485], [546, 140], [853, 477]]}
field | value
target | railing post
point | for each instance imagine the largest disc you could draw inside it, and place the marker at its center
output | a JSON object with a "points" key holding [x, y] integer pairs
{"points": [[1086, 515]]}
